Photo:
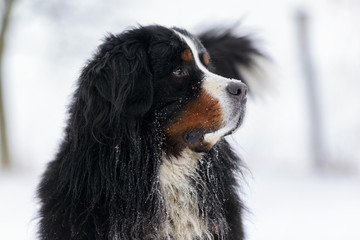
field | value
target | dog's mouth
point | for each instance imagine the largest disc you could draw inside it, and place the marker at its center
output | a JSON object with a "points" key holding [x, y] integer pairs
{"points": [[199, 139], [193, 135]]}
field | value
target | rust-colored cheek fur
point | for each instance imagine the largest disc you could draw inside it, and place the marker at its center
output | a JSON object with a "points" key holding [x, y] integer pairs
{"points": [[204, 112]]}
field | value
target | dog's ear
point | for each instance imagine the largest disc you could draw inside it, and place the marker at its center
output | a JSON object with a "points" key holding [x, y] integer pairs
{"points": [[229, 52], [121, 75]]}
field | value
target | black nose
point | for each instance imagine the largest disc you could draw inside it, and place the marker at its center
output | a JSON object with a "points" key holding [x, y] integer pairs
{"points": [[237, 89]]}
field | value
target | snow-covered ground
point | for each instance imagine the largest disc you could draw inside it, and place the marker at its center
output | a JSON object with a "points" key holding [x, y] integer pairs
{"points": [[293, 206], [49, 41], [17, 205]]}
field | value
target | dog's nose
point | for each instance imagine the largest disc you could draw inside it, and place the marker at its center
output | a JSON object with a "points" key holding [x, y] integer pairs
{"points": [[237, 89]]}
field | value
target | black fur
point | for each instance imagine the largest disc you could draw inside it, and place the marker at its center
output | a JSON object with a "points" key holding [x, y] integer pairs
{"points": [[103, 182]]}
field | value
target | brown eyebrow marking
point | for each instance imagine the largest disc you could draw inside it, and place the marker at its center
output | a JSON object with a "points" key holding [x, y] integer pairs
{"points": [[205, 58], [186, 55]]}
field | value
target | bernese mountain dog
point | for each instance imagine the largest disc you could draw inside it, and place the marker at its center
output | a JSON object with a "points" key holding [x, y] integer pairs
{"points": [[143, 154]]}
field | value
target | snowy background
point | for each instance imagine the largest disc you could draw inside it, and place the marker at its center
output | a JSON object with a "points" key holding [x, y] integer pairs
{"points": [[288, 197]]}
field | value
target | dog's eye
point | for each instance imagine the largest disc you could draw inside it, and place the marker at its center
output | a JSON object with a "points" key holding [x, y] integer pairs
{"points": [[180, 72]]}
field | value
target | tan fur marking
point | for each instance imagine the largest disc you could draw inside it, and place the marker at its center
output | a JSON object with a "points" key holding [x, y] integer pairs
{"points": [[204, 112], [186, 55]]}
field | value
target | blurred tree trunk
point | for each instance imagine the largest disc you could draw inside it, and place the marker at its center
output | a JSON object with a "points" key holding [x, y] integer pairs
{"points": [[312, 92], [5, 159]]}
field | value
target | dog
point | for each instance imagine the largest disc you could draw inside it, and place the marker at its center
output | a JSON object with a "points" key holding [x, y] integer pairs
{"points": [[143, 154]]}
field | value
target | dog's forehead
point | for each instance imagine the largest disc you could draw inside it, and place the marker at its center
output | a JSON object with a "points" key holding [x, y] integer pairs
{"points": [[193, 40]]}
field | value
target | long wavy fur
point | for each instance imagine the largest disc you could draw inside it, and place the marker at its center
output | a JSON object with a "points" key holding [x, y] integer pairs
{"points": [[104, 183]]}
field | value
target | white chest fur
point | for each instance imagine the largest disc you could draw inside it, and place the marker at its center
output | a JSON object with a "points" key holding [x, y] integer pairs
{"points": [[177, 177]]}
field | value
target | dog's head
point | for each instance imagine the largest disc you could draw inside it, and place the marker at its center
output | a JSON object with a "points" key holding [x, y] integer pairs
{"points": [[166, 75]]}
